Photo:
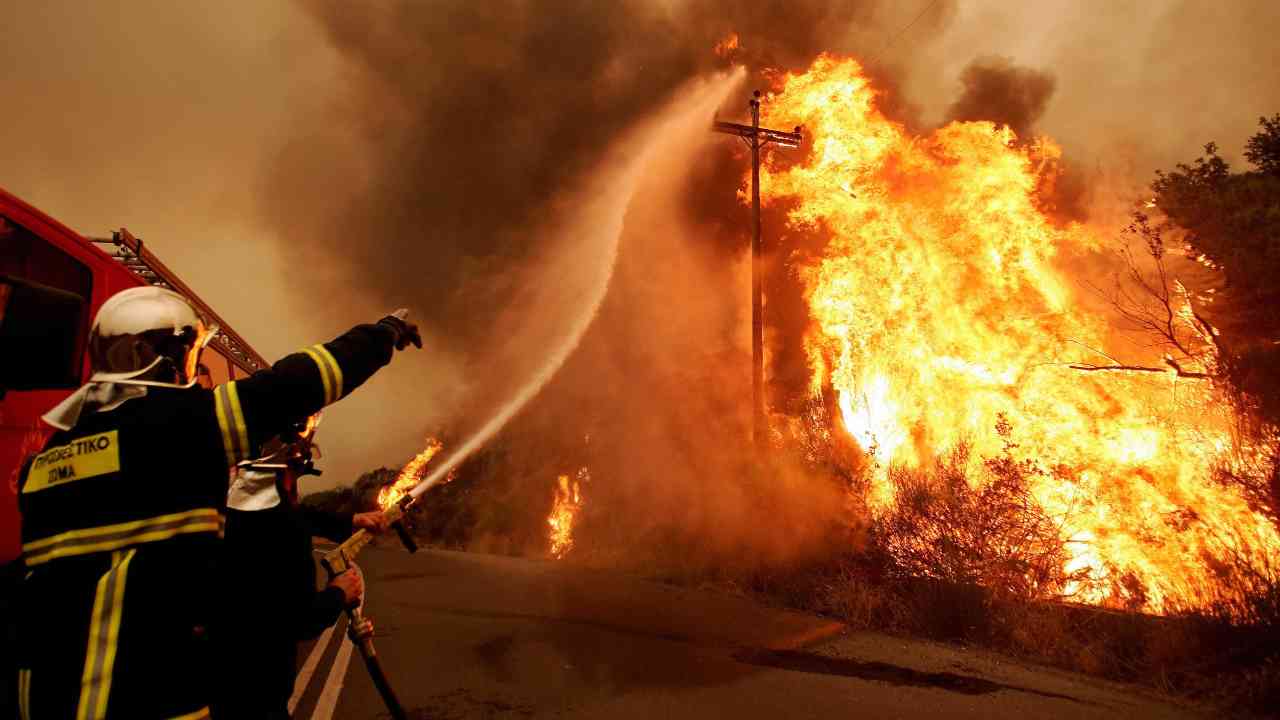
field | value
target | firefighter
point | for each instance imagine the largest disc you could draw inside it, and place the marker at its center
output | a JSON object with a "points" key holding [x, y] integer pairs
{"points": [[268, 546], [121, 520]]}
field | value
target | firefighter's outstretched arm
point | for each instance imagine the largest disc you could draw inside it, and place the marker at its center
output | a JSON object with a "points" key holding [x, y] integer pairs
{"points": [[253, 410]]}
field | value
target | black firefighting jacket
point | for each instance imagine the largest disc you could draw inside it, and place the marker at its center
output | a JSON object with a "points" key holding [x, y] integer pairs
{"points": [[256, 648], [121, 518]]}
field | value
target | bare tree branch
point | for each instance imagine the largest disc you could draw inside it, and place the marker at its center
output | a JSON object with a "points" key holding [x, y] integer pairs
{"points": [[1178, 370]]}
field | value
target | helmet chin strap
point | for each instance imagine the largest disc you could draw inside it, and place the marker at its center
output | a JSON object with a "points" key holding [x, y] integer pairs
{"points": [[192, 379], [107, 378]]}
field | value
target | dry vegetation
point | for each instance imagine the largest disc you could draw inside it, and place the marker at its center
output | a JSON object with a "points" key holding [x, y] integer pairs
{"points": [[965, 555]]}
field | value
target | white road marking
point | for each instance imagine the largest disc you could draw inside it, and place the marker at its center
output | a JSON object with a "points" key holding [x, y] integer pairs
{"points": [[328, 701], [304, 675]]}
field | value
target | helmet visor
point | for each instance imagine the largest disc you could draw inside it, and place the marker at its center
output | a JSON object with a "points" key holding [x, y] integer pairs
{"points": [[180, 351]]}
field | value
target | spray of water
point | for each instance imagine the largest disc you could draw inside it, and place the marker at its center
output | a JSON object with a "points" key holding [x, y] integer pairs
{"points": [[593, 239]]}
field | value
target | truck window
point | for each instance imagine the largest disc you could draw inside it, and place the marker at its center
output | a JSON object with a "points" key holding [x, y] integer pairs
{"points": [[25, 255], [49, 283]]}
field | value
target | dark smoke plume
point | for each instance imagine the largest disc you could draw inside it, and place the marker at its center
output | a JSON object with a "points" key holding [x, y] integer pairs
{"points": [[998, 90], [471, 116], [472, 120]]}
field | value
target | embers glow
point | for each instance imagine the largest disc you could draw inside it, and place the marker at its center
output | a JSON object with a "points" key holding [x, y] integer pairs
{"points": [[938, 309], [409, 476], [564, 513]]}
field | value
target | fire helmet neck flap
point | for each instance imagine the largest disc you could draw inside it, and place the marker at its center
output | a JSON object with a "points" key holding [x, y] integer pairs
{"points": [[148, 336]]}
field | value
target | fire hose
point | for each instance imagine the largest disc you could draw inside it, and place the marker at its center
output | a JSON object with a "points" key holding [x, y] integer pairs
{"points": [[338, 561]]}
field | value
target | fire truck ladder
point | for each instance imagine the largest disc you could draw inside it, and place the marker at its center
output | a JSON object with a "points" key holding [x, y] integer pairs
{"points": [[129, 252]]}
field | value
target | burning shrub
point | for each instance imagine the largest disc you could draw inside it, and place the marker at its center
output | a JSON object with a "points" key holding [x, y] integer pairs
{"points": [[980, 526]]}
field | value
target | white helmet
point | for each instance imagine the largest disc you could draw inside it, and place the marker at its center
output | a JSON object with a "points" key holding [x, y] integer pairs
{"points": [[147, 336]]}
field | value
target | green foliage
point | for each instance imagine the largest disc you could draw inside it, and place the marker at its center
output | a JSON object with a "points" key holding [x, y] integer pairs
{"points": [[1234, 220], [365, 490], [360, 497], [336, 500], [1263, 149]]}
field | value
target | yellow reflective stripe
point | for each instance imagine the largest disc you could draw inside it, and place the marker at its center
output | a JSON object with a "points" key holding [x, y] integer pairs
{"points": [[211, 526], [197, 715], [220, 407], [238, 415], [334, 369], [104, 635], [323, 368], [24, 694], [113, 631], [198, 513], [114, 537], [235, 434], [330, 372]]}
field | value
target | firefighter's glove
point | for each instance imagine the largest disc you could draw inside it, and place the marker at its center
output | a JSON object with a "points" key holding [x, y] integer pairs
{"points": [[404, 331], [351, 583]]}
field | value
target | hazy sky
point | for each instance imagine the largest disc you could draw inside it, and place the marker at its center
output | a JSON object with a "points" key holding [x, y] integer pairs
{"points": [[182, 122]]}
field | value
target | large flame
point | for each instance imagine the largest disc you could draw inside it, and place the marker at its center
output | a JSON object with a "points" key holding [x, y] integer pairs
{"points": [[409, 475], [564, 513], [938, 311]]}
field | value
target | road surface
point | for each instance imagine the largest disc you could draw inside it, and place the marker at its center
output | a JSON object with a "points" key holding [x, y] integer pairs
{"points": [[478, 636]]}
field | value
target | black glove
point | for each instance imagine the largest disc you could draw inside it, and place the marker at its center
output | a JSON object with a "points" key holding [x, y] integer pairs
{"points": [[403, 331]]}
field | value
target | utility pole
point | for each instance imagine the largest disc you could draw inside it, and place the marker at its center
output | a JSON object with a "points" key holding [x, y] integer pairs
{"points": [[757, 137]]}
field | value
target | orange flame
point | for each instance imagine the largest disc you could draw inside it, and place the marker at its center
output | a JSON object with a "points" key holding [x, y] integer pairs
{"points": [[564, 513], [727, 46], [938, 307], [313, 421], [197, 347], [409, 475]]}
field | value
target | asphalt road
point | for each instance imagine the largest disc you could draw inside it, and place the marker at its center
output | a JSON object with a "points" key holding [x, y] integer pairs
{"points": [[480, 636]]}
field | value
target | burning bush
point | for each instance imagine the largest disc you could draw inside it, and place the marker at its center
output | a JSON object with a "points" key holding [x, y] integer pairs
{"points": [[976, 526]]}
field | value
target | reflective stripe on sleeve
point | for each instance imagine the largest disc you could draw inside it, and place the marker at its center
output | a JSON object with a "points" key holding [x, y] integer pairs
{"points": [[104, 635], [235, 436], [114, 537], [197, 715], [242, 430], [24, 694], [330, 372]]}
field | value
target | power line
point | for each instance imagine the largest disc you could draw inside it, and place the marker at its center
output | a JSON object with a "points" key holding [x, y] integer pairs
{"points": [[903, 31]]}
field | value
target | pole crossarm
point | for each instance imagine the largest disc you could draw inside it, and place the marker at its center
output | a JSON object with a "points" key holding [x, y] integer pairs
{"points": [[765, 135]]}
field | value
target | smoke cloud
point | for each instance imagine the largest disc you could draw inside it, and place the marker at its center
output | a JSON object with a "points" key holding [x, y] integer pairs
{"points": [[306, 166], [471, 122], [468, 118], [995, 89]]}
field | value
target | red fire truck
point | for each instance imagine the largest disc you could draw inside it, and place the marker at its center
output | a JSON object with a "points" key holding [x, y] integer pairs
{"points": [[72, 275]]}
